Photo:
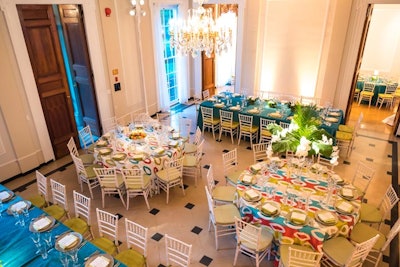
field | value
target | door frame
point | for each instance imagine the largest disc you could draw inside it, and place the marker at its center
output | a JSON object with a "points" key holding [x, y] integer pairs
{"points": [[21, 53], [239, 47]]}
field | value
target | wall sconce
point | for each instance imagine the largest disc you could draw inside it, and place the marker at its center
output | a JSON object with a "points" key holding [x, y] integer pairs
{"points": [[107, 10], [137, 8]]}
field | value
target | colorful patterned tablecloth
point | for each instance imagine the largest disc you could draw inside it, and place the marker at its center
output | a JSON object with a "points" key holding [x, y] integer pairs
{"points": [[148, 153], [300, 194]]}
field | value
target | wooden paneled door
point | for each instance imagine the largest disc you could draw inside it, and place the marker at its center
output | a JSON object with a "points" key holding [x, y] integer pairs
{"points": [[208, 65], [81, 71], [44, 50]]}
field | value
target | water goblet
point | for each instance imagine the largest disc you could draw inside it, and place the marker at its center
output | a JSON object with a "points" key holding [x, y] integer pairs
{"points": [[74, 256], [42, 248], [16, 215], [1, 207], [64, 258], [48, 238]]}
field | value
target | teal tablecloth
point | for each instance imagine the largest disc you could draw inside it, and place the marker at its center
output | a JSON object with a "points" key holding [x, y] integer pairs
{"points": [[330, 127], [16, 247], [380, 88]]}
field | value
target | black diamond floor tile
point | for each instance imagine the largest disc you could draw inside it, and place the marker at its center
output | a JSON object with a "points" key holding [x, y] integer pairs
{"points": [[189, 206], [225, 151], [373, 145], [197, 230], [389, 156], [161, 265], [154, 211], [206, 260], [346, 162], [216, 182], [157, 237], [119, 215], [369, 159], [248, 148], [206, 166]]}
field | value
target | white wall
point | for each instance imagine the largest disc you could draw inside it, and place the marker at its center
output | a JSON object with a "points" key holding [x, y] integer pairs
{"points": [[382, 47]]}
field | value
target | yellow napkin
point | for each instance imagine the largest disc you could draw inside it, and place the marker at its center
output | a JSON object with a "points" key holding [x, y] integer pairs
{"points": [[4, 195], [248, 179], [298, 217], [269, 208], [255, 167], [345, 206], [347, 192], [159, 150], [100, 261], [67, 241], [104, 151], [326, 217], [41, 223], [251, 194]]}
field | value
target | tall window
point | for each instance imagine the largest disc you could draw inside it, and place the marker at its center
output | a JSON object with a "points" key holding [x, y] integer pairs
{"points": [[169, 55]]}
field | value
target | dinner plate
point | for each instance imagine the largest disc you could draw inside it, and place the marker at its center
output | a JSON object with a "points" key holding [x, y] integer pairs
{"points": [[247, 179], [331, 119], [345, 191], [255, 199], [291, 217], [272, 203], [19, 206], [6, 195], [101, 143], [344, 207], [42, 224], [235, 108], [321, 216], [275, 115], [105, 151], [72, 240], [100, 260], [334, 114], [219, 105], [119, 156], [253, 111]]}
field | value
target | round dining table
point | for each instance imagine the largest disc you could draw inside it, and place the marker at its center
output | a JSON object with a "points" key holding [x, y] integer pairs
{"points": [[299, 205], [144, 146]]}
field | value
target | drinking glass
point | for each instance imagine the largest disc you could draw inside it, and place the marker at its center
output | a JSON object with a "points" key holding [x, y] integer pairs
{"points": [[42, 248], [1, 208], [64, 258], [48, 238], [16, 215], [74, 256]]}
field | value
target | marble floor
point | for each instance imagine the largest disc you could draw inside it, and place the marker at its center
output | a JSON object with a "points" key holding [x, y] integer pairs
{"points": [[186, 217]]}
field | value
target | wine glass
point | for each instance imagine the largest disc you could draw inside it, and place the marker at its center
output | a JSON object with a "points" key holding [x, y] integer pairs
{"points": [[64, 258], [48, 238], [1, 207], [74, 256]]}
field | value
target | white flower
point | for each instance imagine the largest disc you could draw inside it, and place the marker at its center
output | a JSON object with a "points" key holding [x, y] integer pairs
{"points": [[293, 127], [284, 132], [315, 147], [303, 148], [269, 151], [275, 138]]}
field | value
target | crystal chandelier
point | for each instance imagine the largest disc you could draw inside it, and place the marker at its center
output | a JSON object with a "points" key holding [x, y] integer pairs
{"points": [[201, 33]]}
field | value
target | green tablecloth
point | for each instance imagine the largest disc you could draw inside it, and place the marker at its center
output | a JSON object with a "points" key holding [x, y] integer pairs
{"points": [[380, 88], [16, 247], [265, 110]]}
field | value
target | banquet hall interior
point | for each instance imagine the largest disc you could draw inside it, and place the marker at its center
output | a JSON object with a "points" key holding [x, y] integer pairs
{"points": [[127, 76]]}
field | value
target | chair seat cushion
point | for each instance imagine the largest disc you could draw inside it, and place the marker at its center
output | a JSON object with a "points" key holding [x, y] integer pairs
{"points": [[120, 182], [87, 159], [253, 129], [346, 128], [364, 93], [233, 177], [229, 125], [214, 121], [189, 161], [90, 172], [225, 214], [131, 257], [386, 96], [264, 242], [146, 183], [38, 201], [190, 148], [55, 211], [77, 225], [284, 252], [105, 244], [370, 213], [163, 175], [362, 232], [266, 133], [339, 249], [344, 135], [224, 193], [357, 90]]}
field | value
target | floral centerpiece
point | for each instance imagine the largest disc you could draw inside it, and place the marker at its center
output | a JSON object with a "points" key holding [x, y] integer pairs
{"points": [[304, 136], [251, 100]]}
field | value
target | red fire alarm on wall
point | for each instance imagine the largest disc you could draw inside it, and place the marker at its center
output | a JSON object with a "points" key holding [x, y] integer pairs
{"points": [[107, 10]]}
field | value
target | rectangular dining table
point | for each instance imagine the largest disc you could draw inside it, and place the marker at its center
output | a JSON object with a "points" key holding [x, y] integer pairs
{"points": [[218, 102], [16, 247]]}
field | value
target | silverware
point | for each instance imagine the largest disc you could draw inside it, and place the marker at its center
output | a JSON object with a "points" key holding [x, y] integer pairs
{"points": [[117, 264], [94, 253], [82, 244]]}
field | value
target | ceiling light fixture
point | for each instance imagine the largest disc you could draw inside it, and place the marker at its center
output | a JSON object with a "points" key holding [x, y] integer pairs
{"points": [[201, 33], [137, 8]]}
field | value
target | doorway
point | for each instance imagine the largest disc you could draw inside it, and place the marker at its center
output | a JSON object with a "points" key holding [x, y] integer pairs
{"points": [[59, 58], [374, 64]]}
